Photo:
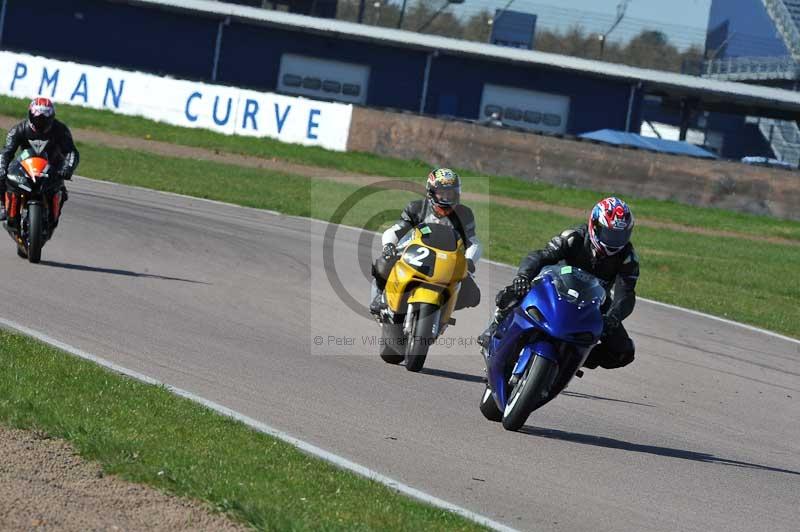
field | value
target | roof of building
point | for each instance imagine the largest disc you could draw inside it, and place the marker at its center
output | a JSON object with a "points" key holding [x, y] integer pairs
{"points": [[752, 99], [621, 138]]}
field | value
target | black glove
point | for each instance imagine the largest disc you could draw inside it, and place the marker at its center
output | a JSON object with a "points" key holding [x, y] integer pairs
{"points": [[520, 286], [470, 266], [389, 251]]}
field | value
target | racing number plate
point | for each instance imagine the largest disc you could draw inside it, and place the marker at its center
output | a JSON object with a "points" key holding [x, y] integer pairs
{"points": [[420, 258]]}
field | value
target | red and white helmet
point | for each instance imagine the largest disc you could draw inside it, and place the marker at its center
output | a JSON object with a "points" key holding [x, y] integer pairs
{"points": [[610, 226], [41, 114]]}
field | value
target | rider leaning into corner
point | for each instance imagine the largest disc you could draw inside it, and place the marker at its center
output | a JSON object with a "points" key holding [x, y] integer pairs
{"points": [[442, 205], [41, 133], [603, 248]]}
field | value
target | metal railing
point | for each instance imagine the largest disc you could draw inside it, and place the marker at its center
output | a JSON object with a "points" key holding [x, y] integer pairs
{"points": [[751, 68], [787, 25], [784, 137]]}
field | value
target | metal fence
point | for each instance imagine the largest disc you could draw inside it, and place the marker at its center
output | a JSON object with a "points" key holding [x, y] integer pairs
{"points": [[750, 68]]}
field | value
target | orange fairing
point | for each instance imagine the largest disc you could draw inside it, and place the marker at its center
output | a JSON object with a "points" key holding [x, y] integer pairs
{"points": [[35, 166]]}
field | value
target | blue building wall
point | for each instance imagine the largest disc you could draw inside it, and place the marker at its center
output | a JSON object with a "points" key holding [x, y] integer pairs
{"points": [[103, 32], [112, 34], [251, 57], [594, 103], [742, 139], [750, 31]]}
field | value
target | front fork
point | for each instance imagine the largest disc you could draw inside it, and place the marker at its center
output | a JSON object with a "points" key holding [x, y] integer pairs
{"points": [[16, 206], [410, 313]]}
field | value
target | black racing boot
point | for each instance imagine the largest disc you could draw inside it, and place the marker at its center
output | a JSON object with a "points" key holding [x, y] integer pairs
{"points": [[376, 305], [376, 298], [483, 339], [3, 213]]}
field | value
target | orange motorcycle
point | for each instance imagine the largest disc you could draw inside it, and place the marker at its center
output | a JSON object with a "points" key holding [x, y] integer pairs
{"points": [[33, 203]]}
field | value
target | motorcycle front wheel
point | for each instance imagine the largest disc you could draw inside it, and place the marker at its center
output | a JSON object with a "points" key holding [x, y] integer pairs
{"points": [[35, 233], [532, 390], [421, 336]]}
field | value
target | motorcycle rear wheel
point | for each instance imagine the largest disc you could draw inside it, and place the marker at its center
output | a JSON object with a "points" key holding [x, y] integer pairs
{"points": [[489, 407], [393, 341]]}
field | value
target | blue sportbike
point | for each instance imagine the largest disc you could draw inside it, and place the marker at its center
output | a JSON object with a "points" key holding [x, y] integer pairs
{"points": [[542, 344]]}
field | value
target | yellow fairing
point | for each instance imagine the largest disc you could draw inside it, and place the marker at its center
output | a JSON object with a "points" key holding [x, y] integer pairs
{"points": [[425, 294], [425, 274]]}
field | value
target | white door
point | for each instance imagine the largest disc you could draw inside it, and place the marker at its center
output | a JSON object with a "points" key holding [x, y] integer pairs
{"points": [[323, 79], [534, 110]]}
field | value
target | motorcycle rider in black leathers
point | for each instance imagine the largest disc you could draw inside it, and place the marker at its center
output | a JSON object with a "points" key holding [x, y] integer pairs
{"points": [[442, 205], [603, 248], [42, 134]]}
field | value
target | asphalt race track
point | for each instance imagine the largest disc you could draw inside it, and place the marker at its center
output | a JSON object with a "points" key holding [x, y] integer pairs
{"points": [[702, 432]]}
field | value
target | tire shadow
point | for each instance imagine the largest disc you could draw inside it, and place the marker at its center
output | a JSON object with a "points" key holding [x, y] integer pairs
{"points": [[116, 271], [622, 445]]}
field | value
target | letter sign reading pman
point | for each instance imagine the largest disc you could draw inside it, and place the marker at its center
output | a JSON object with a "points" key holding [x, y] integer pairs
{"points": [[226, 110]]}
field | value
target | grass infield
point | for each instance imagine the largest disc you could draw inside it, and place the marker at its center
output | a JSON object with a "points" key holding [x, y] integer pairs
{"points": [[369, 164], [144, 433]]}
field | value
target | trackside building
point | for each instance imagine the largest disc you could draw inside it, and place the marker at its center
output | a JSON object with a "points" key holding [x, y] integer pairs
{"points": [[325, 59]]}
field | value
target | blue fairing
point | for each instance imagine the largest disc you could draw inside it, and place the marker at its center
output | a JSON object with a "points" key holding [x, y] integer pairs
{"points": [[563, 327]]}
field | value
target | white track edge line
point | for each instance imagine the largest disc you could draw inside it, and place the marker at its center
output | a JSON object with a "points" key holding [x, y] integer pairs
{"points": [[308, 448], [494, 263]]}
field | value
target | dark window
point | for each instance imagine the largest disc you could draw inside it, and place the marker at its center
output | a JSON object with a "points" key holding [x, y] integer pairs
{"points": [[552, 120], [534, 117], [489, 110], [312, 83], [331, 86], [511, 113], [290, 80], [351, 89]]}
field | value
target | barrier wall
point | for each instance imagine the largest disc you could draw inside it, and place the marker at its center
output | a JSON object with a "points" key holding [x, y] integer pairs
{"points": [[497, 151], [227, 110]]}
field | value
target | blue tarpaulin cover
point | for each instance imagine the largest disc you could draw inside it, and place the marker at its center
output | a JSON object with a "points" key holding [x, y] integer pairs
{"points": [[620, 138]]}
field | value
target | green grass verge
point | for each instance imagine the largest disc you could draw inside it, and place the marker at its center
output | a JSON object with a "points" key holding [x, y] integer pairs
{"points": [[364, 163], [700, 272], [144, 433]]}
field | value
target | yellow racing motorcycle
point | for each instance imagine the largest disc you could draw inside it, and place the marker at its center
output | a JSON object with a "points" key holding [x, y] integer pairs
{"points": [[421, 293]]}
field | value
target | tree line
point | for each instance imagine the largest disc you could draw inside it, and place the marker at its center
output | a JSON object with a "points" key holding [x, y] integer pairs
{"points": [[649, 49]]}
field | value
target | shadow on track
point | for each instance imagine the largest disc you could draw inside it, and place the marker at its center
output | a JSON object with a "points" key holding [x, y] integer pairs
{"points": [[455, 375], [114, 271], [611, 443], [601, 398]]}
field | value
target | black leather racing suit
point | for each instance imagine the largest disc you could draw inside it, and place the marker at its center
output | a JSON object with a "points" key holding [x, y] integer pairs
{"points": [[619, 272], [421, 211], [57, 145]]}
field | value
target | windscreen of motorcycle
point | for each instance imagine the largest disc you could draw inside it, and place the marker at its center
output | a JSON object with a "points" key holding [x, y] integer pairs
{"points": [[34, 166], [574, 285], [439, 236]]}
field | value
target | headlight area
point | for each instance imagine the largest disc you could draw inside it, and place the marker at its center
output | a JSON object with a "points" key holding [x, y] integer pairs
{"points": [[535, 314]]}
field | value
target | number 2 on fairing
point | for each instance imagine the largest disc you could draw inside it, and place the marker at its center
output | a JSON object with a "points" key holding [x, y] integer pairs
{"points": [[422, 254]]}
